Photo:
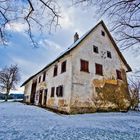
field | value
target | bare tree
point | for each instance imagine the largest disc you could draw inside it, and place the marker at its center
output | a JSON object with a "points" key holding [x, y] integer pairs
{"points": [[134, 87], [34, 14], [124, 16], [9, 77]]}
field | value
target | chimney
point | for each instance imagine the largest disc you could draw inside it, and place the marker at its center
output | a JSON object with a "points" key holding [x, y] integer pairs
{"points": [[76, 37]]}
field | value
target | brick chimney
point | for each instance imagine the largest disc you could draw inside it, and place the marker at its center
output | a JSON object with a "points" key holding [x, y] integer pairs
{"points": [[76, 37]]}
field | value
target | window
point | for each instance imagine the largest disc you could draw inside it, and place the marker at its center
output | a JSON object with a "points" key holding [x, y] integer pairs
{"points": [[39, 79], [63, 67], [52, 91], [103, 33], [109, 54], [95, 49], [59, 91], [119, 75], [84, 66], [99, 69], [44, 76], [55, 70], [46, 91]]}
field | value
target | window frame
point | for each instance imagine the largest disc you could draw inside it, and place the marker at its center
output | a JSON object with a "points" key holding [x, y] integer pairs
{"points": [[44, 76], [119, 74], [63, 66], [60, 91], [55, 71], [102, 33], [52, 92], [84, 65], [109, 54], [95, 49], [39, 79], [99, 69]]}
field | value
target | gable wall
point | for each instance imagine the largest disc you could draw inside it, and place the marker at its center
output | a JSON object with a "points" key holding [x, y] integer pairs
{"points": [[82, 83]]}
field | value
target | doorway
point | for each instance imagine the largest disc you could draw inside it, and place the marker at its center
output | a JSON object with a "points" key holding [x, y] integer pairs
{"points": [[40, 97], [33, 91], [45, 97]]}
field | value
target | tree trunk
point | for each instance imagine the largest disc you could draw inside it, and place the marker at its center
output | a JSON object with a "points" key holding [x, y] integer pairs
{"points": [[6, 97]]}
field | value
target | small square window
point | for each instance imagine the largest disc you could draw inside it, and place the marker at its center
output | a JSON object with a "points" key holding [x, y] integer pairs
{"points": [[103, 33], [99, 69], [119, 75], [84, 66], [95, 49], [109, 54]]}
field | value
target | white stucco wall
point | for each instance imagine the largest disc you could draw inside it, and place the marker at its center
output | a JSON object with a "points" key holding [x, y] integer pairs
{"points": [[78, 88], [64, 79], [82, 86]]}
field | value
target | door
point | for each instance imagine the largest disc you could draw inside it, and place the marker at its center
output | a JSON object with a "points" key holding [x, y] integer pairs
{"points": [[40, 97], [33, 91], [45, 97]]}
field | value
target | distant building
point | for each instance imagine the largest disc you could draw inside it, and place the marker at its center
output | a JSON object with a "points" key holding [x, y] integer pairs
{"points": [[12, 96], [82, 78]]}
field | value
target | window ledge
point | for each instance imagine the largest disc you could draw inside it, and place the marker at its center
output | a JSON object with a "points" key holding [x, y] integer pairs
{"points": [[85, 71]]}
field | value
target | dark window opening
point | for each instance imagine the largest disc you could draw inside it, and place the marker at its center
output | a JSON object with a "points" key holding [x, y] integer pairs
{"points": [[99, 69], [84, 66], [63, 67], [95, 49], [39, 79], [59, 91], [44, 76], [103, 33], [119, 75], [55, 70], [52, 91], [46, 91], [109, 54]]}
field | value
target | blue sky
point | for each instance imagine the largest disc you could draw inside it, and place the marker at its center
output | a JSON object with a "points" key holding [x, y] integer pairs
{"points": [[30, 60]]}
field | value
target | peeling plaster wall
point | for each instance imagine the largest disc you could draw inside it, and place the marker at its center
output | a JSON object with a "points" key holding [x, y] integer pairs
{"points": [[83, 89]]}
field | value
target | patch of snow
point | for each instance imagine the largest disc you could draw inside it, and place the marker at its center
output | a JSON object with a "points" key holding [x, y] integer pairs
{"points": [[19, 121]]}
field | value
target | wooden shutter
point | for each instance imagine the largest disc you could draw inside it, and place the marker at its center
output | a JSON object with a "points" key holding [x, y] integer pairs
{"points": [[84, 66], [99, 69]]}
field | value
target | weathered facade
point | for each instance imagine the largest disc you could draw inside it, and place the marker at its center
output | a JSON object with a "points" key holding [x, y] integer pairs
{"points": [[90, 76]]}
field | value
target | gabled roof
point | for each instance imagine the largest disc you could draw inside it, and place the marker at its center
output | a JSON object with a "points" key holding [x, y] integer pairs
{"points": [[75, 44]]}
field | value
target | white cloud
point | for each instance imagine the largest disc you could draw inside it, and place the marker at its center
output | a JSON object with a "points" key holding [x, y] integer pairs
{"points": [[16, 26], [50, 45]]}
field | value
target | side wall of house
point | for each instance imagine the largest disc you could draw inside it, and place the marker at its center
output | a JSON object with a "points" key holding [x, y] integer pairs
{"points": [[27, 92], [85, 84], [43, 88]]}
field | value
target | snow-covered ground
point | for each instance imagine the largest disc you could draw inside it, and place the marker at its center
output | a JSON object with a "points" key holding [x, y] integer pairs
{"points": [[24, 122]]}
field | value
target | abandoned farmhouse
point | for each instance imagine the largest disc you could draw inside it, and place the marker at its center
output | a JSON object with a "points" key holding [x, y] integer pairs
{"points": [[89, 76]]}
